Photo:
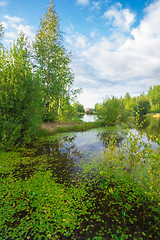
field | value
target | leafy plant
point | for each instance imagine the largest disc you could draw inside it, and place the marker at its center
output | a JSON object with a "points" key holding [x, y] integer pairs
{"points": [[116, 197], [20, 99]]}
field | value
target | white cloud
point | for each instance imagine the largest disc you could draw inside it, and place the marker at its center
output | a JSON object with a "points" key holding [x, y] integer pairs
{"points": [[10, 35], [118, 64], [121, 18], [95, 5], [90, 19], [92, 34], [69, 29], [13, 19], [82, 2], [28, 30], [14, 26], [3, 3], [77, 40], [4, 24]]}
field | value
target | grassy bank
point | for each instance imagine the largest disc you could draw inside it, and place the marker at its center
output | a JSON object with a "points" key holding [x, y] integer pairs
{"points": [[52, 128], [157, 115]]}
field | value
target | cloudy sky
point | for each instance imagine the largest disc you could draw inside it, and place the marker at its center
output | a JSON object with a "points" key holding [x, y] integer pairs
{"points": [[115, 45]]}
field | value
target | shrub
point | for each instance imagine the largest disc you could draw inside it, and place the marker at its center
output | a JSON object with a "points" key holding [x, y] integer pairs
{"points": [[19, 96]]}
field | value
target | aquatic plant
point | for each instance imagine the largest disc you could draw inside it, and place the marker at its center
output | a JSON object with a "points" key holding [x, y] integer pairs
{"points": [[116, 197]]}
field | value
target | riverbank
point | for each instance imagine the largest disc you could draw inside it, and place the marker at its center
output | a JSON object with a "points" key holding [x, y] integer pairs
{"points": [[157, 115], [58, 127]]}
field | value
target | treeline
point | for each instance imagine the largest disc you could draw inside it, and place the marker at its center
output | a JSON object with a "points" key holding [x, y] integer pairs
{"points": [[35, 82], [115, 110]]}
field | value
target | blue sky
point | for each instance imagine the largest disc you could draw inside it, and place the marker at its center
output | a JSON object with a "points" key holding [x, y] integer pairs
{"points": [[115, 45]]}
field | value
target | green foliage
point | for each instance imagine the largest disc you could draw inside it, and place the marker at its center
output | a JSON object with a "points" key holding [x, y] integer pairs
{"points": [[118, 110], [89, 111], [19, 96], [143, 106], [39, 207], [79, 108], [114, 110], [114, 198], [1, 33], [129, 182], [154, 97], [67, 110], [97, 107], [143, 103], [111, 112], [129, 103], [52, 63]]}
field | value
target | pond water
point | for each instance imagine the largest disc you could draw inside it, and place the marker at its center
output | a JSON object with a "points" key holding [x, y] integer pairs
{"points": [[94, 141], [66, 151], [61, 155], [81, 146], [89, 118]]}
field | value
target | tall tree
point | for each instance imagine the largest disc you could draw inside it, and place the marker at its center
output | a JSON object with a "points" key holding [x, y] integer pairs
{"points": [[53, 60], [1, 33], [19, 95]]}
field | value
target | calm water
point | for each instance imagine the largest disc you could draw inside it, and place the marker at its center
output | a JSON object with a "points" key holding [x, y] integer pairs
{"points": [[89, 118], [96, 140], [64, 152]]}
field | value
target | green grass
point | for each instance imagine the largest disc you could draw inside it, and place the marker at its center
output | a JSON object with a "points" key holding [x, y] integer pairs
{"points": [[73, 127], [78, 128]]}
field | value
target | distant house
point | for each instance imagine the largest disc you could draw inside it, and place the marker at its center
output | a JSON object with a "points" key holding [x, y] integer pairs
{"points": [[87, 109]]}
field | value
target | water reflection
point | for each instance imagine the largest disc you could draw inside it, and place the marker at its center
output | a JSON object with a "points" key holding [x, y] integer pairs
{"points": [[115, 136], [151, 126], [89, 118], [58, 156], [62, 153]]}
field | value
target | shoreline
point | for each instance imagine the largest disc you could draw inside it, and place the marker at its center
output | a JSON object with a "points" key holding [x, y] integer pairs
{"points": [[52, 128], [157, 115]]}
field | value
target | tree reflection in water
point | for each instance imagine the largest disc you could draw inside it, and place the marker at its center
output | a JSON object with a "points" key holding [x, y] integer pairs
{"points": [[58, 156], [115, 136], [62, 155]]}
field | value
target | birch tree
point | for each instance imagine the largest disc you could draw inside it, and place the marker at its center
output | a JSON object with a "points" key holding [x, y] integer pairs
{"points": [[52, 61], [1, 33]]}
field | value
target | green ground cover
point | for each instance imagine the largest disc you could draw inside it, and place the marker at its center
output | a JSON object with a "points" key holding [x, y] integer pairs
{"points": [[117, 197]]}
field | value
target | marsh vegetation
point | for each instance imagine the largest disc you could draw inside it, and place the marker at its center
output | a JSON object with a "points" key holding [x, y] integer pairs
{"points": [[98, 184]]}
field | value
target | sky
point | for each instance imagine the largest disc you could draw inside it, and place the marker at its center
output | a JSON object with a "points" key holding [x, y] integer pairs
{"points": [[115, 45]]}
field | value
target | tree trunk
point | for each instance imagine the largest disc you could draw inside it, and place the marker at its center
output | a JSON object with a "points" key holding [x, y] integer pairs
{"points": [[59, 107]]}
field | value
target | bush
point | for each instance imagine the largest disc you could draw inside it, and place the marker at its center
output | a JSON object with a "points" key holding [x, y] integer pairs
{"points": [[143, 106], [111, 112], [19, 96]]}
